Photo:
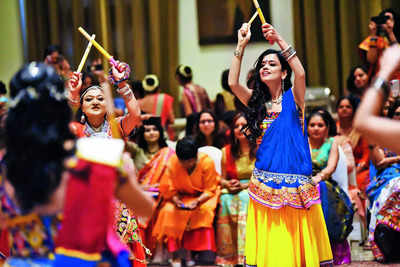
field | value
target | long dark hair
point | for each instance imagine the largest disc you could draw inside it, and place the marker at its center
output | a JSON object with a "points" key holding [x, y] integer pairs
{"points": [[256, 110], [351, 87], [142, 143], [36, 128], [200, 139], [235, 146]]}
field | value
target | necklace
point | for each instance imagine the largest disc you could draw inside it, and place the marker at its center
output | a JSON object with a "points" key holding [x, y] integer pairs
{"points": [[277, 101]]}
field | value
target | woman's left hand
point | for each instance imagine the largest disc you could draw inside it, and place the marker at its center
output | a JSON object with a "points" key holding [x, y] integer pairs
{"points": [[270, 34]]}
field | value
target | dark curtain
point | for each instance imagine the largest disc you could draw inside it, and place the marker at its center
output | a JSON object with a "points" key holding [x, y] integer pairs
{"points": [[327, 35], [143, 33]]}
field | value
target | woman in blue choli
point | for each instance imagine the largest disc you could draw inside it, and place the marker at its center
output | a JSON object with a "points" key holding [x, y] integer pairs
{"points": [[285, 224]]}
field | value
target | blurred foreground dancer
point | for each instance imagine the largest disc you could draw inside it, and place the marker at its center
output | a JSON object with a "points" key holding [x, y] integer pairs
{"points": [[36, 193]]}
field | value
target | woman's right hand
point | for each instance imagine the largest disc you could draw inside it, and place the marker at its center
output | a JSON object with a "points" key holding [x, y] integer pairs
{"points": [[244, 35], [75, 83]]}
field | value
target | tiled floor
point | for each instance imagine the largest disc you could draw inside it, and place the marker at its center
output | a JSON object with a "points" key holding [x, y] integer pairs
{"points": [[360, 258]]}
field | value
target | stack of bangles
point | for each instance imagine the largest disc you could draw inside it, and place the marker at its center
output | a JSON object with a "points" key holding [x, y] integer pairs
{"points": [[125, 92], [288, 53]]}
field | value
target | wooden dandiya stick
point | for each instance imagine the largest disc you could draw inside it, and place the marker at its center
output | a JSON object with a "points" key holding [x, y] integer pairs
{"points": [[259, 11], [99, 47], [85, 55], [253, 18], [260, 14]]}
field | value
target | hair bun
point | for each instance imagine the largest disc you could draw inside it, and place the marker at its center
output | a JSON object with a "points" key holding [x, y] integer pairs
{"points": [[150, 82], [185, 71]]}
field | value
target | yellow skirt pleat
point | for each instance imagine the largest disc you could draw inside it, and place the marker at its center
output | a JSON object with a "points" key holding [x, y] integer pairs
{"points": [[286, 237]]}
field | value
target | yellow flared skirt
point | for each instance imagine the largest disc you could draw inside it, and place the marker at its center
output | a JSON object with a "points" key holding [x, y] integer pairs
{"points": [[286, 237]]}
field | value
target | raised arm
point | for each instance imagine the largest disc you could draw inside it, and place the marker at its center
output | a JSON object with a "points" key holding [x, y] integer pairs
{"points": [[299, 87], [367, 121], [241, 91], [74, 87], [132, 118]]}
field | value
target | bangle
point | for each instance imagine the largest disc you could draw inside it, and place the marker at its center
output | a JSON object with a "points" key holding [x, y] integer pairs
{"points": [[125, 92], [237, 53], [288, 53], [381, 85], [126, 76]]}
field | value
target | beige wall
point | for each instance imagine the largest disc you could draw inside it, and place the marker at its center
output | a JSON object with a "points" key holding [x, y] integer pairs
{"points": [[209, 61], [11, 51]]}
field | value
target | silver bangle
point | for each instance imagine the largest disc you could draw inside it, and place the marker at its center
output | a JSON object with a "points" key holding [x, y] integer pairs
{"points": [[379, 84], [125, 92], [288, 53]]}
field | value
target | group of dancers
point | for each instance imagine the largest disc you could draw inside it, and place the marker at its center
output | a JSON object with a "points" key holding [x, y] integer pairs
{"points": [[70, 192]]}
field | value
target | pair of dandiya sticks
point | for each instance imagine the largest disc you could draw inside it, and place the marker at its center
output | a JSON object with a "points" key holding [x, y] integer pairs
{"points": [[108, 95], [112, 60]]}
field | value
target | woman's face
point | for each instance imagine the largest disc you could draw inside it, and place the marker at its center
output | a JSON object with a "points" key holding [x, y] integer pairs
{"points": [[239, 124], [271, 69], [317, 129], [345, 109], [360, 78], [396, 115], [94, 104], [206, 124], [151, 133]]}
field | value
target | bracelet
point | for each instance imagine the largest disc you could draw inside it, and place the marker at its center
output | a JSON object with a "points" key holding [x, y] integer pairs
{"points": [[237, 53], [124, 91], [288, 53], [126, 76], [381, 85]]}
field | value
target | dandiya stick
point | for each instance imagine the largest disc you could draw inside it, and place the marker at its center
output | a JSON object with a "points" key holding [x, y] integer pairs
{"points": [[99, 47], [85, 55], [253, 18], [260, 14]]}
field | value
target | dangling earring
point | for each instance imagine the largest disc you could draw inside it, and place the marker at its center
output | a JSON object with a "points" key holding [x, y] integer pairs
{"points": [[83, 119], [283, 85]]}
